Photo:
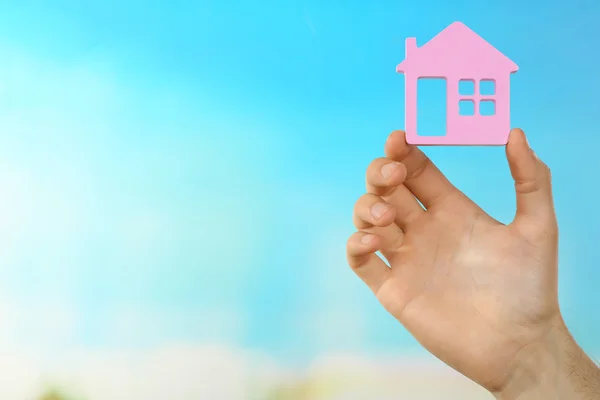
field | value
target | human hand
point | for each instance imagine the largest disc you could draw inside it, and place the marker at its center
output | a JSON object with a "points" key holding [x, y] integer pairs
{"points": [[480, 295]]}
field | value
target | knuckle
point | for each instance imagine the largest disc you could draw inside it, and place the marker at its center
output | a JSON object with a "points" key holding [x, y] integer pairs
{"points": [[420, 167], [543, 165], [360, 201], [355, 264], [375, 165], [356, 205], [349, 242], [548, 171], [527, 186], [369, 198]]}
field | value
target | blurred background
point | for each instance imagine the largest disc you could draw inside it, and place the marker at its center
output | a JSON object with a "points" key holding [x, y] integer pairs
{"points": [[177, 181]]}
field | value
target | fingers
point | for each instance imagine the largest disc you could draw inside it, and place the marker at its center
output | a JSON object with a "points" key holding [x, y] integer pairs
{"points": [[385, 177], [532, 178], [374, 215], [371, 210], [360, 250], [384, 174], [423, 178]]}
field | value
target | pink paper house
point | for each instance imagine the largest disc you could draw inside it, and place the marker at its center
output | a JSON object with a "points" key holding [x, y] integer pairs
{"points": [[459, 54]]}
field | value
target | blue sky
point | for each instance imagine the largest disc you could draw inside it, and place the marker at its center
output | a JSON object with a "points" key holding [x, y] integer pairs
{"points": [[190, 167]]}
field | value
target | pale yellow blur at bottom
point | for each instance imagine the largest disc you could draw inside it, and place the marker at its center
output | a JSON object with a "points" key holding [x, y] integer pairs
{"points": [[221, 372]]}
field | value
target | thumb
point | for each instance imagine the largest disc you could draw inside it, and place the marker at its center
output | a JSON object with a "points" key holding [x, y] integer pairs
{"points": [[532, 178]]}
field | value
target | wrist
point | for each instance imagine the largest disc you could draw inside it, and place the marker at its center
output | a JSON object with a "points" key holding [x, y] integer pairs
{"points": [[551, 368]]}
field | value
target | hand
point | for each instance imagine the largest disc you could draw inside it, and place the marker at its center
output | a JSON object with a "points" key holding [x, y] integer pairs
{"points": [[479, 294]]}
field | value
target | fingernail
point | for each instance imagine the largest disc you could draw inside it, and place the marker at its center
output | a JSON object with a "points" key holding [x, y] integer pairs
{"points": [[366, 239], [378, 210], [388, 169]]}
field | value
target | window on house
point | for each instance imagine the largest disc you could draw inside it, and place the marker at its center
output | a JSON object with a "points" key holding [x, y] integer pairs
{"points": [[487, 87], [466, 87], [487, 107], [482, 94], [466, 107]]}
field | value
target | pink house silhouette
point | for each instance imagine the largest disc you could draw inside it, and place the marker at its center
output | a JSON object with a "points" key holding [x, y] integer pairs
{"points": [[459, 54]]}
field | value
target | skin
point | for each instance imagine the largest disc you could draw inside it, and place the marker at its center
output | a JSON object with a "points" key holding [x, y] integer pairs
{"points": [[480, 295]]}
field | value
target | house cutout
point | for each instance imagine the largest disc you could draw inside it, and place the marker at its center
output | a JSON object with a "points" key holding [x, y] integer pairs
{"points": [[478, 116]]}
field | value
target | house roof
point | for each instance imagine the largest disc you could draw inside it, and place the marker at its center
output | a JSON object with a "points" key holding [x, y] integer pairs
{"points": [[457, 46]]}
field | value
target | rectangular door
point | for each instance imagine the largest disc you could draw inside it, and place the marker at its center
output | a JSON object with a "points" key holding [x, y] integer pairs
{"points": [[431, 106]]}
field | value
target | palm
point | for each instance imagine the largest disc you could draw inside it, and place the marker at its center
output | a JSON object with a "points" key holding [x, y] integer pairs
{"points": [[459, 279], [458, 288]]}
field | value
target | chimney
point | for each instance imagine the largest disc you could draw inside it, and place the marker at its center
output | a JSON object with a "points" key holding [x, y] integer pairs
{"points": [[411, 46]]}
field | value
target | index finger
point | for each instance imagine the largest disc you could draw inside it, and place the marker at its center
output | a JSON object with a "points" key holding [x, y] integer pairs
{"points": [[423, 178]]}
